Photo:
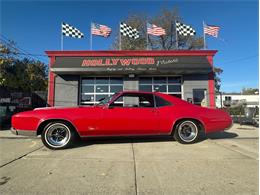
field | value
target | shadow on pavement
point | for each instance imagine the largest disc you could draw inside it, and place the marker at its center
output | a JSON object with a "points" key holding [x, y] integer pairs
{"points": [[221, 135], [122, 140]]}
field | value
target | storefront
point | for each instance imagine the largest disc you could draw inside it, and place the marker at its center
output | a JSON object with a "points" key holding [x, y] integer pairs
{"points": [[84, 77]]}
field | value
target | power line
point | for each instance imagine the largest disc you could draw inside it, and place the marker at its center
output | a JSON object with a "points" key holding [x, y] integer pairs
{"points": [[21, 51], [241, 59]]}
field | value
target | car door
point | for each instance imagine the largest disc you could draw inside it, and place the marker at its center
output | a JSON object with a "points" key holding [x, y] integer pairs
{"points": [[135, 115]]}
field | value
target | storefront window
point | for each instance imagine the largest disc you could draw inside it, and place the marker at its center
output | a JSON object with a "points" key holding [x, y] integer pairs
{"points": [[169, 85], [87, 81], [145, 80], [172, 80], [148, 88], [100, 97], [87, 98], [174, 88], [101, 89], [102, 80], [159, 80], [160, 88], [116, 80], [94, 89], [116, 88], [88, 89]]}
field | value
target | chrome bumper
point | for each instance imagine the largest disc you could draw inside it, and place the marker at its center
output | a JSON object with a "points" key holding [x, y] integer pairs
{"points": [[23, 132]]}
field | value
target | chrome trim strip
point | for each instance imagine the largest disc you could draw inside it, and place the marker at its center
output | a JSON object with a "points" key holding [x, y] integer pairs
{"points": [[126, 135], [23, 132]]}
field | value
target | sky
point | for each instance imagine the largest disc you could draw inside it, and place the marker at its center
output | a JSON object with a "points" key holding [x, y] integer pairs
{"points": [[36, 27]]}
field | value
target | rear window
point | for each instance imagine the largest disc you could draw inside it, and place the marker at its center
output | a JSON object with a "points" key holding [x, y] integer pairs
{"points": [[160, 102]]}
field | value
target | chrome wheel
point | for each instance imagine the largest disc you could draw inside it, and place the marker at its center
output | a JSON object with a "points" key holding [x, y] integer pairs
{"points": [[57, 135], [188, 131]]}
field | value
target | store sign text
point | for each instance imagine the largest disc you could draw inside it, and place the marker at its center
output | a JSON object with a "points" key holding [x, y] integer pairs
{"points": [[118, 61]]}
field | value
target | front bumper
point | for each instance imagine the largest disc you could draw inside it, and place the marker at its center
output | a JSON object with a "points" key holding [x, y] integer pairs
{"points": [[23, 132]]}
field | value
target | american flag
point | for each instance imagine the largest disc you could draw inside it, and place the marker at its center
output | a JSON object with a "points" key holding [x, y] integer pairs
{"points": [[211, 30], [100, 30], [152, 29]]}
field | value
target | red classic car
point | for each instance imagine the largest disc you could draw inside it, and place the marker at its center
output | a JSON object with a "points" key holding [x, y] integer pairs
{"points": [[127, 113]]}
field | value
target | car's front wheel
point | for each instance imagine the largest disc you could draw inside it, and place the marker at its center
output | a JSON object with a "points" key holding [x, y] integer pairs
{"points": [[186, 132], [57, 135]]}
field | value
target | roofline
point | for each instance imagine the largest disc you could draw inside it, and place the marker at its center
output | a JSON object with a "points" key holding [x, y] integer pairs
{"points": [[238, 94], [136, 91], [146, 53]]}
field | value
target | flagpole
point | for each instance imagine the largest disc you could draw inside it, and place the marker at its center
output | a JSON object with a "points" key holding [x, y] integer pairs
{"points": [[176, 35], [147, 47], [120, 36], [61, 44], [204, 38], [90, 35]]}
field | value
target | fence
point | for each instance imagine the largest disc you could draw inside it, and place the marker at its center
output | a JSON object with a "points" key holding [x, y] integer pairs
{"points": [[13, 101]]}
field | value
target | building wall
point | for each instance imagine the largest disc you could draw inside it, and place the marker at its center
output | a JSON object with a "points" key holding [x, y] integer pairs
{"points": [[67, 87], [190, 82], [131, 84], [66, 90], [250, 100]]}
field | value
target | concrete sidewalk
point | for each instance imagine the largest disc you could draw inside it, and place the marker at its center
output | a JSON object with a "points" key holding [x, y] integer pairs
{"points": [[224, 163]]}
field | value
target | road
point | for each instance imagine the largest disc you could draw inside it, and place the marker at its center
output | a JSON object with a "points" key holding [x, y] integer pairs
{"points": [[223, 163]]}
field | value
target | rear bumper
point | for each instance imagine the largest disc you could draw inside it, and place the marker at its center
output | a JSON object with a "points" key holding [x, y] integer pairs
{"points": [[23, 132], [232, 123]]}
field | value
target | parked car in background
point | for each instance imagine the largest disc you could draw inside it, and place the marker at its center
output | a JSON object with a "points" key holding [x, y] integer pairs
{"points": [[129, 113]]}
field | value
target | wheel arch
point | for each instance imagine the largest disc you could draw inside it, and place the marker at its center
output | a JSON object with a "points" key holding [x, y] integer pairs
{"points": [[199, 122], [43, 123]]}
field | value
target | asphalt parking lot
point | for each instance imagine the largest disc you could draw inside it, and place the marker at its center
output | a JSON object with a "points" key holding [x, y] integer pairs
{"points": [[223, 163]]}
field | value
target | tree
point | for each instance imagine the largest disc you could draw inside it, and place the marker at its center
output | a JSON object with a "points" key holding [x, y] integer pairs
{"points": [[20, 73], [217, 71], [165, 19], [250, 91]]}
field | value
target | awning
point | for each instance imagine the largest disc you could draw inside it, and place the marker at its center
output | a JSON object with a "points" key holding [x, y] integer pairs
{"points": [[132, 65]]}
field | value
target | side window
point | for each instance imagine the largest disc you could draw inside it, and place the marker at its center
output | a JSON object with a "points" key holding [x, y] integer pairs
{"points": [[160, 102], [146, 100], [134, 100]]}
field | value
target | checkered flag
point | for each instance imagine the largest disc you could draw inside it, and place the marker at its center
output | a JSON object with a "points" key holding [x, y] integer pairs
{"points": [[71, 31], [129, 31], [184, 29]]}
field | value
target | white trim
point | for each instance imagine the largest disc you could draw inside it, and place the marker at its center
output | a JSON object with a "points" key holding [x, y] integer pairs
{"points": [[94, 93], [167, 83]]}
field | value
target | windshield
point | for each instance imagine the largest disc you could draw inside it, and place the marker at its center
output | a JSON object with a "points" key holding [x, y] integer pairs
{"points": [[104, 101]]}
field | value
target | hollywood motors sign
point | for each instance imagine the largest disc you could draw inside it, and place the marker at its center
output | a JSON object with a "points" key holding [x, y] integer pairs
{"points": [[118, 61]]}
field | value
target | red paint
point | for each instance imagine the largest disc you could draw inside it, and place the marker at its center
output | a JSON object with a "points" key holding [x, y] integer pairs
{"points": [[125, 62], [211, 85], [105, 121], [51, 83], [133, 53]]}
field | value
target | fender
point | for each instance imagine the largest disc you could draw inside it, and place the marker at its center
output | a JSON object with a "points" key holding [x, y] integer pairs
{"points": [[188, 117], [64, 118]]}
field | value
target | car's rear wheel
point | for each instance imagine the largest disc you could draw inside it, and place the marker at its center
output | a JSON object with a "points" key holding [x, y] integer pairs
{"points": [[57, 135], [186, 132]]}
